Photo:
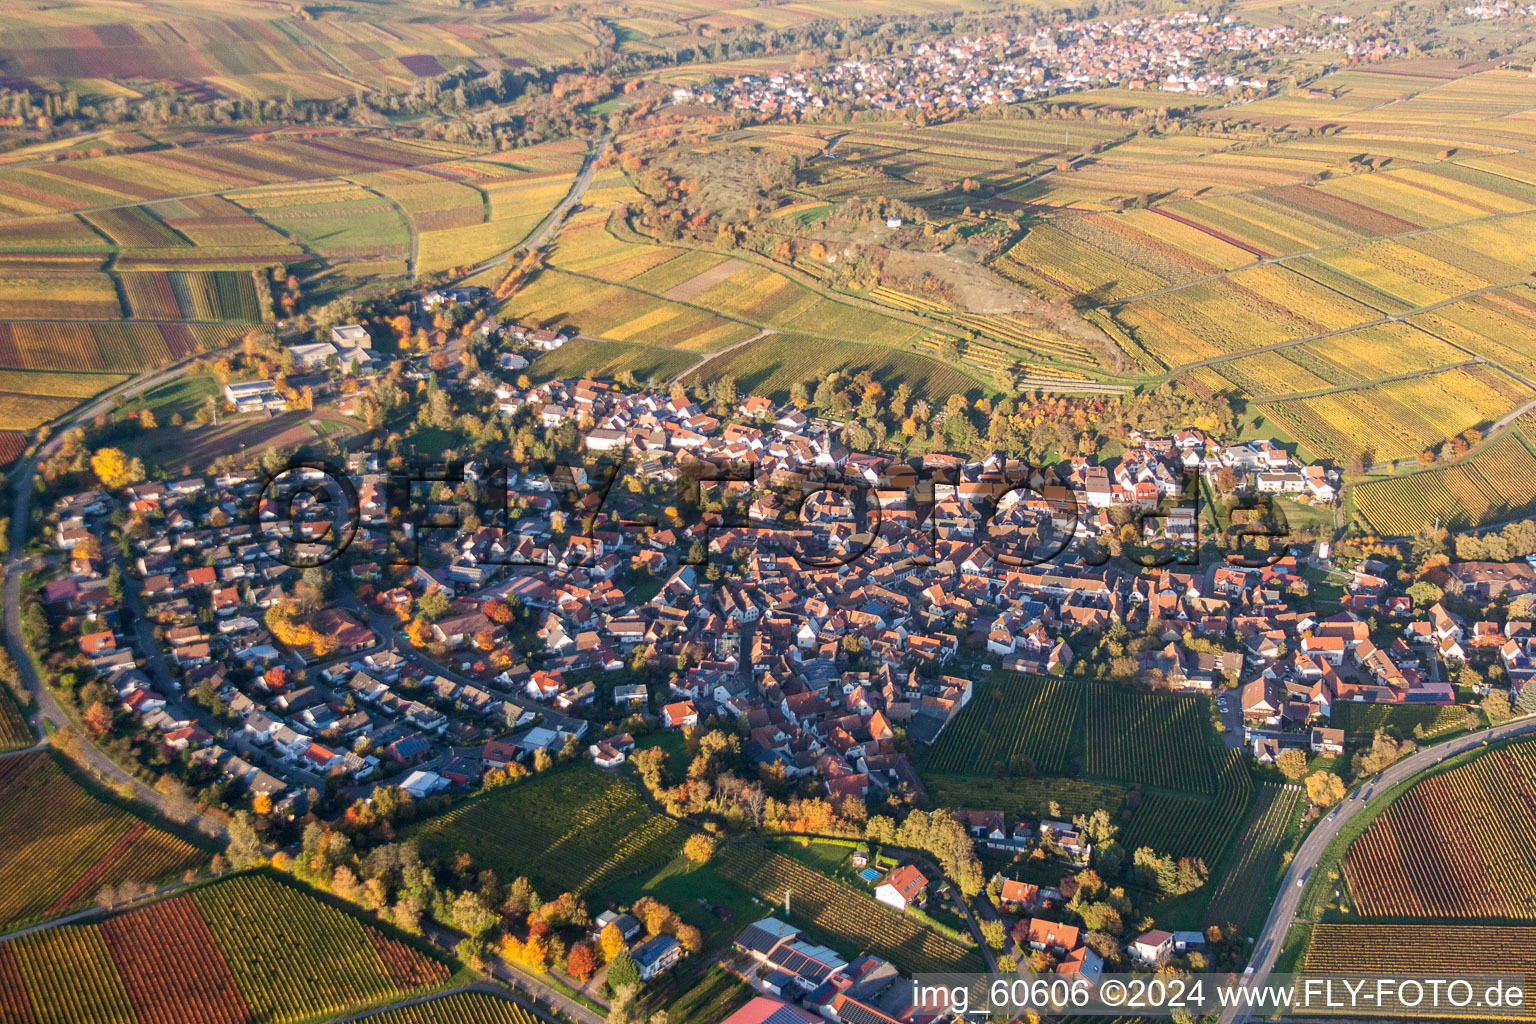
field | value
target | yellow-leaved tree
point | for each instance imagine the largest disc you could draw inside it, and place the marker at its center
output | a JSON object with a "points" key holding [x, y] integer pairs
{"points": [[115, 469]]}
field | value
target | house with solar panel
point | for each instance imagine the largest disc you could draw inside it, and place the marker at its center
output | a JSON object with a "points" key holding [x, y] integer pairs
{"points": [[779, 948]]}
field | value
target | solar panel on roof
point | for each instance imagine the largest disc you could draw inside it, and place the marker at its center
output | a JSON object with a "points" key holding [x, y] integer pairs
{"points": [[784, 1015], [854, 1012], [758, 940], [797, 963]]}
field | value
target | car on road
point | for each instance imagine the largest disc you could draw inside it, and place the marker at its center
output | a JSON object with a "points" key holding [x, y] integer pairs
{"points": [[1333, 814], [1303, 879]]}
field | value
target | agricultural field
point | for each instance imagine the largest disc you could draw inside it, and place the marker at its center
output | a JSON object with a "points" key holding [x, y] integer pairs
{"points": [[193, 295], [15, 733], [62, 844], [1191, 825], [102, 346], [1495, 484], [59, 295], [1422, 950], [1455, 845], [1400, 418], [579, 829], [585, 357], [12, 444], [1498, 325], [119, 181], [247, 949], [772, 365], [1238, 897], [1016, 725], [1362, 720], [1148, 738], [711, 999], [458, 1008], [265, 928], [619, 313], [849, 921]]}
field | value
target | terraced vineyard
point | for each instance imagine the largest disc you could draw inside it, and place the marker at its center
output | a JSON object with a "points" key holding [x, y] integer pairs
{"points": [[1017, 725], [1456, 845], [577, 829], [59, 844], [1255, 859], [246, 950], [851, 922]]}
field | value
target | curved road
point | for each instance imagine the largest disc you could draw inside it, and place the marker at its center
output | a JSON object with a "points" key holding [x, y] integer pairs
{"points": [[45, 709], [1283, 914]]}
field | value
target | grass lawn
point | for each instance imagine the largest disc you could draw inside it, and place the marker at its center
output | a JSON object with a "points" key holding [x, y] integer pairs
{"points": [[184, 395], [700, 897]]}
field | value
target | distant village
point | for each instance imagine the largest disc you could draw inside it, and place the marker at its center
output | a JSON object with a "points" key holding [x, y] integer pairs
{"points": [[1173, 54]]}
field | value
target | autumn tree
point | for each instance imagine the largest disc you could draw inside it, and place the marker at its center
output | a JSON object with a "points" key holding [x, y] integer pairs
{"points": [[699, 848], [244, 849], [98, 718], [581, 963], [115, 469], [610, 941], [1292, 763], [1325, 789]]}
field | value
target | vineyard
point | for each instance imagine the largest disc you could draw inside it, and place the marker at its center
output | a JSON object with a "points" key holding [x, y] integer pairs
{"points": [[1399, 418], [15, 733], [579, 829], [246, 949], [1409, 720], [457, 1008], [192, 295], [584, 357], [1148, 738], [105, 346], [1422, 950], [771, 366], [1255, 860], [1497, 483], [294, 956], [1187, 825], [1454, 845], [850, 921], [1018, 725], [61, 844]]}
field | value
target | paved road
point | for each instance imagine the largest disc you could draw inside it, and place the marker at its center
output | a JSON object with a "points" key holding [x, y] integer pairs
{"points": [[542, 994], [1283, 914], [541, 236], [45, 709], [89, 912]]}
